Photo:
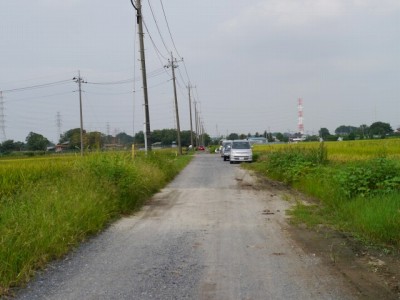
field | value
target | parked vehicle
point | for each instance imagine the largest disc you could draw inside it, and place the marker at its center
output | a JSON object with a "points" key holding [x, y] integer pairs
{"points": [[223, 143], [226, 151], [241, 151]]}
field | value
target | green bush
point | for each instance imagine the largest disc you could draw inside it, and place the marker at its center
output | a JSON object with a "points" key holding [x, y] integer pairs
{"points": [[366, 178], [290, 164]]}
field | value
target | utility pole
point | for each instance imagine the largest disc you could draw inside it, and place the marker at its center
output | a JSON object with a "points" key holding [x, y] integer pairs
{"points": [[58, 124], [190, 110], [178, 128], [79, 80], [196, 117], [147, 132], [2, 119]]}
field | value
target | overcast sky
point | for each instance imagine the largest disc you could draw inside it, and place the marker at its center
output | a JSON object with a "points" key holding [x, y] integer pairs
{"points": [[249, 60]]}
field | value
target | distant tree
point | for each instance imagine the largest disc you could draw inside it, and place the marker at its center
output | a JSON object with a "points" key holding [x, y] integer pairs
{"points": [[139, 137], [9, 146], [312, 138], [380, 128], [185, 138], [165, 136], [233, 136], [207, 139], [269, 137], [351, 136], [324, 133], [94, 140], [19, 146], [124, 139], [35, 141], [345, 130], [362, 131], [279, 136], [242, 136], [73, 136]]}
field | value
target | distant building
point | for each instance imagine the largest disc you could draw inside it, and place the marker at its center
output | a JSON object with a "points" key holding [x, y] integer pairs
{"points": [[257, 140]]}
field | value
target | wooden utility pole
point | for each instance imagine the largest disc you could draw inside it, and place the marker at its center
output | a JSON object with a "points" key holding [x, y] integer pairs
{"points": [[178, 128], [190, 110], [196, 120], [79, 80], [144, 76]]}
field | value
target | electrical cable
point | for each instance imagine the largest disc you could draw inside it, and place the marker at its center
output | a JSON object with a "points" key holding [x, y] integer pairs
{"points": [[152, 41], [169, 30], [37, 86], [158, 28], [134, 5], [37, 97]]}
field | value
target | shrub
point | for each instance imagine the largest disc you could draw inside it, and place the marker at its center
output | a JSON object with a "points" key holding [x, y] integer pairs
{"points": [[365, 178], [289, 164]]}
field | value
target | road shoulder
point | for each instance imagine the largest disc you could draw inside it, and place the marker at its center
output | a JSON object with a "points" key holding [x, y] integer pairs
{"points": [[374, 273]]}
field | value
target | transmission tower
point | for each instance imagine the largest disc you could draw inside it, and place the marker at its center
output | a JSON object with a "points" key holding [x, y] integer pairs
{"points": [[58, 124], [2, 119], [300, 115]]}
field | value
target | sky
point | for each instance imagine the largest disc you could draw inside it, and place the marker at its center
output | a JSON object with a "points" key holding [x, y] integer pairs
{"points": [[248, 62]]}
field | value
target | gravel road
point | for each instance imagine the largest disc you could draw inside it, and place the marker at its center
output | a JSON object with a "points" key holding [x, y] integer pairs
{"points": [[208, 235]]}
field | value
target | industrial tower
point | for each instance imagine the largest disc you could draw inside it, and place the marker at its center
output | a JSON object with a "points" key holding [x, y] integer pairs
{"points": [[300, 115]]}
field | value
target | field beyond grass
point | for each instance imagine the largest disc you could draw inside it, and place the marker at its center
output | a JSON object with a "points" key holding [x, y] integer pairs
{"points": [[48, 206], [356, 184]]}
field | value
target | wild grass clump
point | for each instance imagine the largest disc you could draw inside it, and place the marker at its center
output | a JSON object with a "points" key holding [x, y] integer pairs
{"points": [[49, 205], [360, 196], [290, 164], [379, 175], [375, 219]]}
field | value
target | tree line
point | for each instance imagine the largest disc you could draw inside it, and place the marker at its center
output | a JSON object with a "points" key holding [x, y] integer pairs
{"points": [[71, 140], [166, 137], [345, 132]]}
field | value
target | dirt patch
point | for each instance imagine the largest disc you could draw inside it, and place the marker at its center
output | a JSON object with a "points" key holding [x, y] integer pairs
{"points": [[374, 272]]}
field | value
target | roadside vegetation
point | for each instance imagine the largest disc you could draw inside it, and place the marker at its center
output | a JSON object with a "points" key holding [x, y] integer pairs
{"points": [[356, 185], [49, 205]]}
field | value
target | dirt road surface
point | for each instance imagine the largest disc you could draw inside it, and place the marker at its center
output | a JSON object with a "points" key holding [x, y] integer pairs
{"points": [[208, 235]]}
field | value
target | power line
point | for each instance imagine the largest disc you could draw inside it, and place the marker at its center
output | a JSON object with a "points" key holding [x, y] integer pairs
{"points": [[37, 97], [158, 28], [169, 30], [124, 81], [173, 42], [37, 86], [152, 41]]}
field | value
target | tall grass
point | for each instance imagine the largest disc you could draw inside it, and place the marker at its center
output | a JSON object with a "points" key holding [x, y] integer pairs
{"points": [[346, 150], [48, 206], [357, 195]]}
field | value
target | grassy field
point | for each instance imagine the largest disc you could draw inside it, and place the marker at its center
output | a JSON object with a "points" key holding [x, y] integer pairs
{"points": [[346, 150], [49, 205], [357, 184]]}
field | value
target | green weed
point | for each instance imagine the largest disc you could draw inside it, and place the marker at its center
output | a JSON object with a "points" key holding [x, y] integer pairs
{"points": [[360, 196], [49, 205]]}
